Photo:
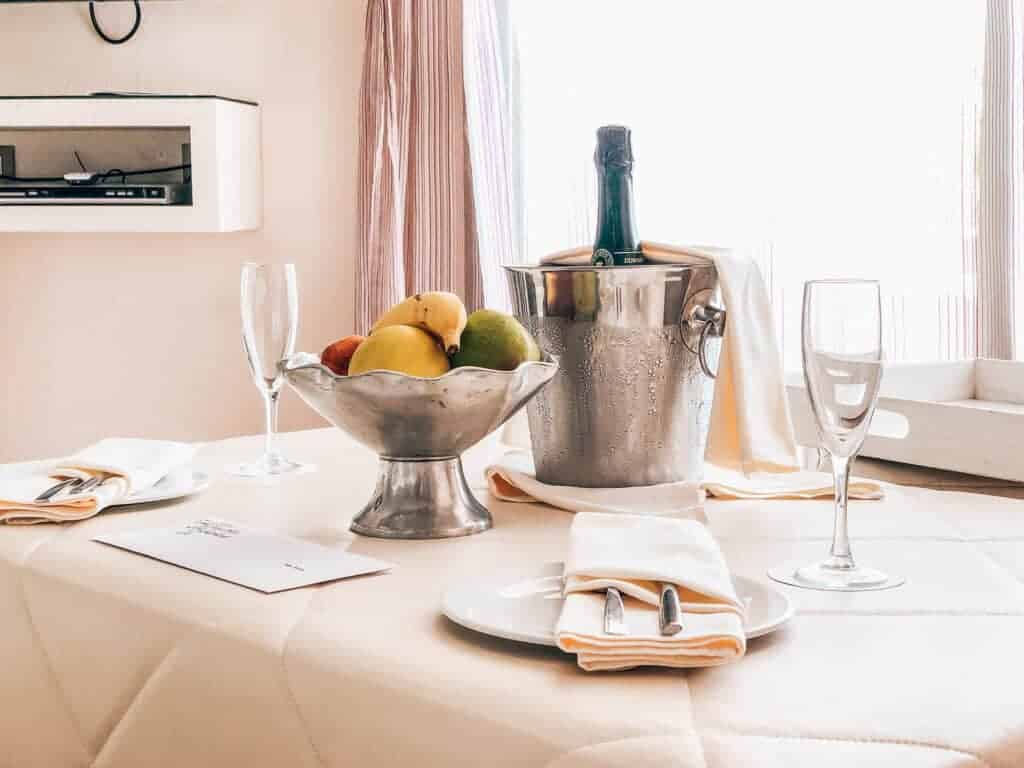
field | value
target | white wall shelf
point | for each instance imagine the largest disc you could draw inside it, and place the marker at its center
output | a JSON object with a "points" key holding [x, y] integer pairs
{"points": [[226, 173]]}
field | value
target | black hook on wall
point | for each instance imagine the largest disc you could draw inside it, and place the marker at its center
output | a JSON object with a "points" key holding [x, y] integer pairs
{"points": [[108, 38]]}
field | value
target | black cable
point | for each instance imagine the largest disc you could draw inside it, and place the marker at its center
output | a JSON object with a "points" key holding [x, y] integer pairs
{"points": [[112, 172], [103, 176], [108, 38], [146, 171]]}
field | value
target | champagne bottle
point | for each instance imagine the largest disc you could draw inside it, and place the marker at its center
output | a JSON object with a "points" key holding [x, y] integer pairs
{"points": [[616, 243]]}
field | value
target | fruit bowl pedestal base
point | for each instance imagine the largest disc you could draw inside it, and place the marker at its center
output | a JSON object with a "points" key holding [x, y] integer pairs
{"points": [[421, 499]]}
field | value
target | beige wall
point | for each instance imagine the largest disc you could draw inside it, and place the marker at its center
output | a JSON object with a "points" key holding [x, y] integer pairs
{"points": [[139, 334]]}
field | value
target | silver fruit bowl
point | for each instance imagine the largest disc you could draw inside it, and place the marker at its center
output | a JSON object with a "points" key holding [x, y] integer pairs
{"points": [[418, 428]]}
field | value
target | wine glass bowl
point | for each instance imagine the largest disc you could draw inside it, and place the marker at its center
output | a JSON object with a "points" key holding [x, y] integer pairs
{"points": [[270, 309], [843, 366]]}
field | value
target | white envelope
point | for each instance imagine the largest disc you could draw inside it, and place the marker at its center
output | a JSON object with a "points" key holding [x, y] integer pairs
{"points": [[260, 560]]}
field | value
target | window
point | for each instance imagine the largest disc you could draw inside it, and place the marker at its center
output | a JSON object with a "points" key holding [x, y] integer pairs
{"points": [[824, 139]]}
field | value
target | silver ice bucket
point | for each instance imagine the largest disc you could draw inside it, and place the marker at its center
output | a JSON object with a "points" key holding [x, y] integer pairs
{"points": [[631, 402]]}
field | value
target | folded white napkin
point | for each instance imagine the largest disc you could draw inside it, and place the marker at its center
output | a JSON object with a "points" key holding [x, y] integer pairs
{"points": [[751, 430], [636, 554], [126, 465], [804, 484], [513, 479]]}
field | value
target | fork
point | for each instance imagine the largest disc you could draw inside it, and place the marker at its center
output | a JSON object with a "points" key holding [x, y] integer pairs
{"points": [[53, 490], [93, 482]]}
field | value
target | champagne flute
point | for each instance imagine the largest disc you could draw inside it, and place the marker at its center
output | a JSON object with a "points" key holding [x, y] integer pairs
{"points": [[270, 321], [842, 352]]}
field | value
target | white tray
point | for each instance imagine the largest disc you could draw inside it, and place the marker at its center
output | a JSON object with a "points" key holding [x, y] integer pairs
{"points": [[965, 416]]}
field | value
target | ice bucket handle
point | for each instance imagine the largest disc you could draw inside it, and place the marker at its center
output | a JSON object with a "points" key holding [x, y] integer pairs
{"points": [[707, 321]]}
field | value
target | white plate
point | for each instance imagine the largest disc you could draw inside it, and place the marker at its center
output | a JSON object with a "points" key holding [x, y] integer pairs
{"points": [[523, 604], [180, 483]]}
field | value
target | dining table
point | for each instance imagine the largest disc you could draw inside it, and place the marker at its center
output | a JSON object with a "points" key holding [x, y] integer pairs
{"points": [[108, 658]]}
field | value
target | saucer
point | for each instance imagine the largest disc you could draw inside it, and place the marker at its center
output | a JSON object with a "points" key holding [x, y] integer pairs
{"points": [[176, 485]]}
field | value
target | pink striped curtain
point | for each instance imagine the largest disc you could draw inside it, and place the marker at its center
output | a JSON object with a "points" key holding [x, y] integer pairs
{"points": [[416, 221]]}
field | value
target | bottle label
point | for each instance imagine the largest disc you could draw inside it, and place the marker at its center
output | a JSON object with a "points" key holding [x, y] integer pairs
{"points": [[604, 258]]}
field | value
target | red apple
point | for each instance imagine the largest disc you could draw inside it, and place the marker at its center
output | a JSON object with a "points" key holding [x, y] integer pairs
{"points": [[338, 355]]}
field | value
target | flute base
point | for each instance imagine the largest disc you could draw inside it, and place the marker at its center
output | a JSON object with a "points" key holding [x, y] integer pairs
{"points": [[827, 577], [422, 499], [269, 465]]}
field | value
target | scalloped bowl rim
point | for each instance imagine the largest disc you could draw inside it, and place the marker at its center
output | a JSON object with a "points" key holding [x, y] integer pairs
{"points": [[550, 362]]}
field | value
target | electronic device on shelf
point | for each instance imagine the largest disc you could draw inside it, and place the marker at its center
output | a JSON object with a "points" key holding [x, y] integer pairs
{"points": [[58, 193]]}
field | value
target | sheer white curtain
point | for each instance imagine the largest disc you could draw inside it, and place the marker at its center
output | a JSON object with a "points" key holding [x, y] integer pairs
{"points": [[492, 128], [996, 258], [826, 139]]}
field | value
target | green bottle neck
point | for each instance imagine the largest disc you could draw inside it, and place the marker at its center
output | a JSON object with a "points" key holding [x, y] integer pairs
{"points": [[616, 227]]}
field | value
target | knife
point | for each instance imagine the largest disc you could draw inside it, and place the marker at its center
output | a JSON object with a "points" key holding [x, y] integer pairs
{"points": [[614, 613], [670, 613]]}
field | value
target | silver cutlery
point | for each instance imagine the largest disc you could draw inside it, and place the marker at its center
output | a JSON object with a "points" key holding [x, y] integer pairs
{"points": [[614, 613], [88, 485], [53, 490], [670, 613]]}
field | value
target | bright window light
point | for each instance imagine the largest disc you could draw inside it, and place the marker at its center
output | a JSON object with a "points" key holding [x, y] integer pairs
{"points": [[826, 139]]}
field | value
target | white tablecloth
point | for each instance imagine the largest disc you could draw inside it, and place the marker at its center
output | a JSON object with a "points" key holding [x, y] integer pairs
{"points": [[110, 659]]}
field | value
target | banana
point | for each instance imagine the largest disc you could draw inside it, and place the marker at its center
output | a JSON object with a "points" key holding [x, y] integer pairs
{"points": [[437, 312]]}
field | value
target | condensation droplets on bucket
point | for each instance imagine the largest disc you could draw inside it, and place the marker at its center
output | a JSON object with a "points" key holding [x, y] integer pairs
{"points": [[630, 403]]}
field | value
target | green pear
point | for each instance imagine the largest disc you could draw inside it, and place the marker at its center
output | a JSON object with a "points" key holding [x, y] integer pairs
{"points": [[495, 340]]}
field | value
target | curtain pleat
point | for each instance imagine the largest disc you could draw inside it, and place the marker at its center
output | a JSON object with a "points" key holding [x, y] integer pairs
{"points": [[999, 185], [491, 120], [416, 221]]}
